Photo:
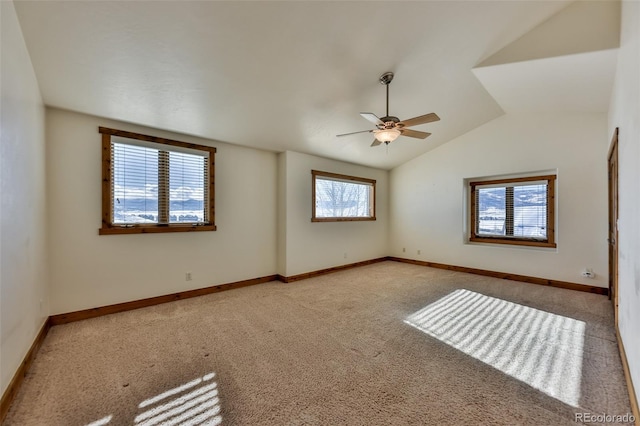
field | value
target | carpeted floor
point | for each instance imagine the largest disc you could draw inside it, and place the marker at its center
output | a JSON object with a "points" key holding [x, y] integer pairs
{"points": [[388, 343]]}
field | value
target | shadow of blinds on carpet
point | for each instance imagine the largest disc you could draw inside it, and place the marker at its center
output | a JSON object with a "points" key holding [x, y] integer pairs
{"points": [[541, 349], [193, 403]]}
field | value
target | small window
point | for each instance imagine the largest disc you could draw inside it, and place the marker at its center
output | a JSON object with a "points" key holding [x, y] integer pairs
{"points": [[153, 184], [342, 198], [513, 211]]}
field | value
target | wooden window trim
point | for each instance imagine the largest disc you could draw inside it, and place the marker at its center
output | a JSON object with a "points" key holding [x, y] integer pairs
{"points": [[108, 228], [356, 179], [549, 242]]}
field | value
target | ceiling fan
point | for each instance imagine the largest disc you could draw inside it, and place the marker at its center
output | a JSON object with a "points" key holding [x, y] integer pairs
{"points": [[388, 128]]}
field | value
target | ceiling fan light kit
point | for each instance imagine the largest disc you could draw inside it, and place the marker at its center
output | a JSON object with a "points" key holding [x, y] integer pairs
{"points": [[389, 128], [387, 135]]}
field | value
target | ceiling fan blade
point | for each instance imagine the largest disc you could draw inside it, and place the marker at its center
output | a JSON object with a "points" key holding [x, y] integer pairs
{"points": [[376, 142], [354, 133], [427, 118], [414, 133], [372, 118]]}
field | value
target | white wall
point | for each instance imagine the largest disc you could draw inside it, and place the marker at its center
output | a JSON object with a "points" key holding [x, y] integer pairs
{"points": [[625, 114], [428, 196], [24, 291], [310, 246], [88, 270]]}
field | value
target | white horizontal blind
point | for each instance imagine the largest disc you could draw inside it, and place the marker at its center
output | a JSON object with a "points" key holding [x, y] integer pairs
{"points": [[341, 198], [529, 211], [158, 185], [516, 210], [187, 189], [134, 184]]}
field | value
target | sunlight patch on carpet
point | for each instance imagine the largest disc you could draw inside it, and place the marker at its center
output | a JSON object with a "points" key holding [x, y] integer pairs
{"points": [[193, 403], [541, 349], [103, 421]]}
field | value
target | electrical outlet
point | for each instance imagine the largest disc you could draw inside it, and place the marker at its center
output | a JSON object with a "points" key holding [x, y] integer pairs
{"points": [[345, 255], [588, 273], [419, 251], [187, 276], [404, 249]]}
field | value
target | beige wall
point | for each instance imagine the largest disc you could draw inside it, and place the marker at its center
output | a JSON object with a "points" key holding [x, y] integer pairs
{"points": [[24, 291], [625, 114], [263, 212], [310, 246], [428, 196], [88, 270]]}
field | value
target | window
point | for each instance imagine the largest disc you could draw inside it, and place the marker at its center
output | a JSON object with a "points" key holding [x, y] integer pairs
{"points": [[513, 211], [342, 198], [153, 184]]}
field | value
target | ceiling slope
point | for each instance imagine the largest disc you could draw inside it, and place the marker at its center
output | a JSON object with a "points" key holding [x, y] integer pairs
{"points": [[566, 64]]}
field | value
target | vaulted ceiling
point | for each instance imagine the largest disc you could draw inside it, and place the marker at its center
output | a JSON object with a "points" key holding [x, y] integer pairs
{"points": [[291, 75]]}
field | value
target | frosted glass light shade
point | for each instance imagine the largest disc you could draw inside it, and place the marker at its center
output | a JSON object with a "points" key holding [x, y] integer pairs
{"points": [[387, 135]]}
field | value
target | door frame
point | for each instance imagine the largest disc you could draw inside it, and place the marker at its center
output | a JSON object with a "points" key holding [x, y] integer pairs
{"points": [[612, 238]]}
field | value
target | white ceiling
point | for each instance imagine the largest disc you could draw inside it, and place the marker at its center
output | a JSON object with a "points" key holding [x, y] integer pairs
{"points": [[276, 75]]}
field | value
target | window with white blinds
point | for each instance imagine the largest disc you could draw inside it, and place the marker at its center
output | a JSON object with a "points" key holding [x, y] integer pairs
{"points": [[135, 184], [513, 211], [342, 198], [155, 185]]}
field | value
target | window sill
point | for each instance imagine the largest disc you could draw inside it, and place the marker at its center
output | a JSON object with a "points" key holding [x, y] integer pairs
{"points": [[154, 229], [341, 219], [509, 241]]}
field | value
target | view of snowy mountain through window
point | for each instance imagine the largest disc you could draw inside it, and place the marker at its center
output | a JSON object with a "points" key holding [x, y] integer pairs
{"points": [[155, 186], [517, 210], [152, 184], [529, 206]]}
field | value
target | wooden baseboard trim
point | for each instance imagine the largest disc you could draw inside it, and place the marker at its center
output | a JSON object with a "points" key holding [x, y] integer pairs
{"points": [[317, 273], [12, 390], [633, 399], [507, 276], [143, 303]]}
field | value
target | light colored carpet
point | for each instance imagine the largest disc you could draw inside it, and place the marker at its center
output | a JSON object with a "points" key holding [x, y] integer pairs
{"points": [[388, 343]]}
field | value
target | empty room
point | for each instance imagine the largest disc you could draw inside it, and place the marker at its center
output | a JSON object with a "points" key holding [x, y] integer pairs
{"points": [[319, 212]]}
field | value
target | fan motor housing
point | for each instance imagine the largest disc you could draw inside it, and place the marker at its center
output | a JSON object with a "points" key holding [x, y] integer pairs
{"points": [[389, 119]]}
